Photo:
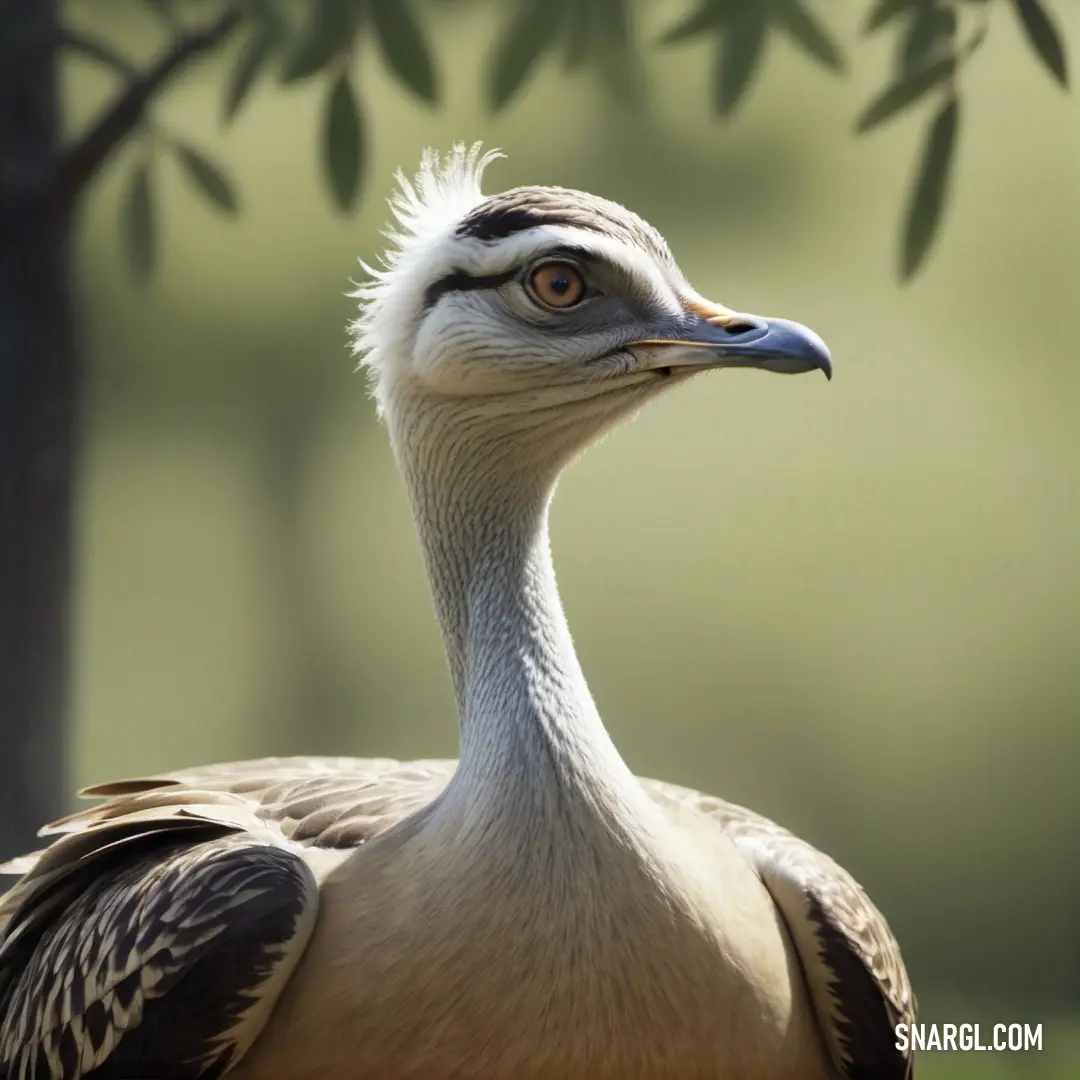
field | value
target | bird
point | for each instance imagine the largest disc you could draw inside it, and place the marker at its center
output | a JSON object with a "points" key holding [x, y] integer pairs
{"points": [[532, 909]]}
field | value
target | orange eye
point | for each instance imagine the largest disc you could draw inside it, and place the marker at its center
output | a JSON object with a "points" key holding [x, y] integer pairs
{"points": [[558, 285]]}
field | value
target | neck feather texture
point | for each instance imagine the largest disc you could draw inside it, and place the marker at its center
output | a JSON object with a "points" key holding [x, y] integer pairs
{"points": [[529, 727]]}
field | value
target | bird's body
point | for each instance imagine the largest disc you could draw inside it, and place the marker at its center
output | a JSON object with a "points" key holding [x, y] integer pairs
{"points": [[533, 910], [599, 959]]}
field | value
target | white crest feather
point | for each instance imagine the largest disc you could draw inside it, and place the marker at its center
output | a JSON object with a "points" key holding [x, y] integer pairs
{"points": [[425, 211]]}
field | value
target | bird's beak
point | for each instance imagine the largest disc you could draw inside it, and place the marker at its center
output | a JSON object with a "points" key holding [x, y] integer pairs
{"points": [[713, 337]]}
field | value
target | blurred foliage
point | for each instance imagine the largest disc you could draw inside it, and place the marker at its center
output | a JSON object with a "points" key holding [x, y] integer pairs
{"points": [[934, 40]]}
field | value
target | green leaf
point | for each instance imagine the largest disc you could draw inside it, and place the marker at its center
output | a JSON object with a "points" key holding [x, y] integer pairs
{"points": [[601, 33], [166, 11], [329, 32], [137, 224], [932, 28], [699, 22], [807, 32], [928, 197], [528, 35], [207, 178], [884, 11], [904, 93], [249, 64], [576, 38], [1044, 38], [267, 16], [404, 47], [617, 58], [343, 142], [738, 57]]}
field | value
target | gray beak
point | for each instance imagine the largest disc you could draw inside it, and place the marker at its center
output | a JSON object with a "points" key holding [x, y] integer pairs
{"points": [[736, 340]]}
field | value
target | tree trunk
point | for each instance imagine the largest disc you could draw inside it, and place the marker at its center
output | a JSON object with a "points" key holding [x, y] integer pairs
{"points": [[39, 410]]}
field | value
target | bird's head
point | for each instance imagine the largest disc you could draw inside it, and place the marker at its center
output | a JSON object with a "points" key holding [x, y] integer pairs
{"points": [[541, 312]]}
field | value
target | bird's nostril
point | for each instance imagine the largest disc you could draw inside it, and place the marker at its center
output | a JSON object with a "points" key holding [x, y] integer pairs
{"points": [[737, 327], [734, 325]]}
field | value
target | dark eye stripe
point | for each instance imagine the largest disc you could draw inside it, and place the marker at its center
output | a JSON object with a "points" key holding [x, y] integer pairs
{"points": [[459, 281]]}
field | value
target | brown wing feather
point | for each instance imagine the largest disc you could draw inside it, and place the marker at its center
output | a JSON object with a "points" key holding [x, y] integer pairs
{"points": [[325, 802], [854, 971], [168, 965], [159, 926]]}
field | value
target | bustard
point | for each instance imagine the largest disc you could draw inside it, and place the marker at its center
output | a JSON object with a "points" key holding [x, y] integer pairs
{"points": [[533, 910]]}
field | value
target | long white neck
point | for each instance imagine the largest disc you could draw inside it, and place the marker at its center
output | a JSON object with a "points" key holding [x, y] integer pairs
{"points": [[529, 726]]}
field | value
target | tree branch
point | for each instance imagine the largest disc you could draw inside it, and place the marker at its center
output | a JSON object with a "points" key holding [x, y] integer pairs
{"points": [[82, 160], [95, 49]]}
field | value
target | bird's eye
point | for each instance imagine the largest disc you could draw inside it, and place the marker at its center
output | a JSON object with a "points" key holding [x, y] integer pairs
{"points": [[558, 285]]}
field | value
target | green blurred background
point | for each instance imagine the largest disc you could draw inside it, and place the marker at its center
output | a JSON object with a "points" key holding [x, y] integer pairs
{"points": [[854, 607]]}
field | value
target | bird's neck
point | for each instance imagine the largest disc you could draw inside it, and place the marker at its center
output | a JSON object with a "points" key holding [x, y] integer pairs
{"points": [[529, 726]]}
